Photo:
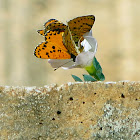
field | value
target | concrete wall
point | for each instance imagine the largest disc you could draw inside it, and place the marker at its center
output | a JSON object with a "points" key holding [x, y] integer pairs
{"points": [[101, 110], [116, 29]]}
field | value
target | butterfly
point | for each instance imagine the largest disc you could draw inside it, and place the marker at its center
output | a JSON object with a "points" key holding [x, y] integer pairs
{"points": [[61, 41]]}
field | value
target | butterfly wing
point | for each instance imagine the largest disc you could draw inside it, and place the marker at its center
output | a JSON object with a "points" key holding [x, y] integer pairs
{"points": [[41, 32], [53, 47], [74, 32], [55, 36], [49, 22], [52, 24], [69, 43], [50, 50], [57, 26], [46, 24], [80, 25]]}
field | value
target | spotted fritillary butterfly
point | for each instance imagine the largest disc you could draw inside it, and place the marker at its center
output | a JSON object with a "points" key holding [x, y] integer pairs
{"points": [[61, 41]]}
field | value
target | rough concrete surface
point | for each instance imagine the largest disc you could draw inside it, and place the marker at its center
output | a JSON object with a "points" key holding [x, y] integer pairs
{"points": [[73, 111]]}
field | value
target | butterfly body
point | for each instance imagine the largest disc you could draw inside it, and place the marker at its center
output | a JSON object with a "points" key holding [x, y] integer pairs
{"points": [[61, 41]]}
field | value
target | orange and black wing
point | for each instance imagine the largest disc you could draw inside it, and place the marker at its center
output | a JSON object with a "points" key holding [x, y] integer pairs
{"points": [[53, 47], [80, 25], [52, 24], [69, 43], [51, 50]]}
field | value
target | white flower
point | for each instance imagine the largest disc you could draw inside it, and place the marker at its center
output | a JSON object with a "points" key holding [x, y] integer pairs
{"points": [[83, 59]]}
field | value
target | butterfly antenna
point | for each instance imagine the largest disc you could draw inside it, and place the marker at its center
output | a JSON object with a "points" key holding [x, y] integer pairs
{"points": [[62, 65]]}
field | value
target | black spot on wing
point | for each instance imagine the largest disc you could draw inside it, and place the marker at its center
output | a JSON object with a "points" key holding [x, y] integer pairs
{"points": [[53, 47]]}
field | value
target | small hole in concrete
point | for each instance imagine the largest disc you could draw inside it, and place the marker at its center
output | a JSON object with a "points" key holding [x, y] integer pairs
{"points": [[81, 122], [136, 99], [83, 102], [53, 119], [95, 93], [100, 128], [71, 98], [41, 122], [122, 95], [93, 103], [58, 112]]}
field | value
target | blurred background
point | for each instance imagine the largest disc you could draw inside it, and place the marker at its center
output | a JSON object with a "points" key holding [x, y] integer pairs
{"points": [[117, 30]]}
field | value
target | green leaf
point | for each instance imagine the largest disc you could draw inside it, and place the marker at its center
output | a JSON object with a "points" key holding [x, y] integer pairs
{"points": [[88, 78], [77, 79], [101, 76], [97, 66]]}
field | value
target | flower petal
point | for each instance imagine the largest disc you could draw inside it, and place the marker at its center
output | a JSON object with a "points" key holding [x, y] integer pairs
{"points": [[84, 59], [89, 43], [56, 63], [90, 47]]}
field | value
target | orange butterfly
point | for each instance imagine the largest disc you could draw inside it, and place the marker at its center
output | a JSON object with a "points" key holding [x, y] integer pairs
{"points": [[61, 41]]}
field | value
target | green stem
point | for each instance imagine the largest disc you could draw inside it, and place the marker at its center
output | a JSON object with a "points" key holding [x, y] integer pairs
{"points": [[92, 71]]}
